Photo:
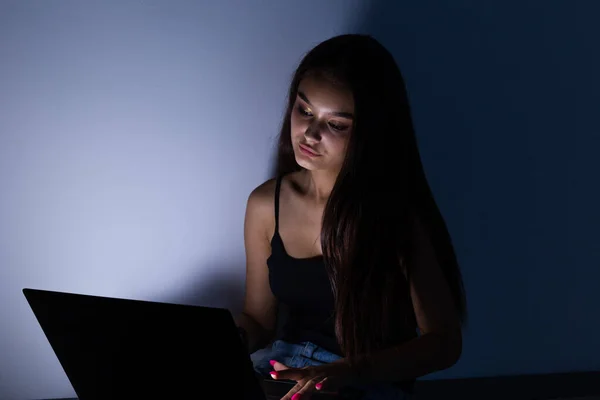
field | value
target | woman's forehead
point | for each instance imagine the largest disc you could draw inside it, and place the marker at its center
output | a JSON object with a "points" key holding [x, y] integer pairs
{"points": [[318, 91]]}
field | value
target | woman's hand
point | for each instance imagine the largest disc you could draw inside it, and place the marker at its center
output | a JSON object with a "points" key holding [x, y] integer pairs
{"points": [[327, 378]]}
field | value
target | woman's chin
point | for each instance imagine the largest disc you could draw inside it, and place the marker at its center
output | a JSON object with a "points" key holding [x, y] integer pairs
{"points": [[304, 163]]}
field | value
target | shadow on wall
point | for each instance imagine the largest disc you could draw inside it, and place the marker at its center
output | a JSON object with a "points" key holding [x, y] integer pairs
{"points": [[504, 97], [217, 286]]}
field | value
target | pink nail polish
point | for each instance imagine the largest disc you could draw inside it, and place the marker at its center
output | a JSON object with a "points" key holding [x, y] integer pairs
{"points": [[272, 362], [296, 396], [319, 386], [274, 374]]}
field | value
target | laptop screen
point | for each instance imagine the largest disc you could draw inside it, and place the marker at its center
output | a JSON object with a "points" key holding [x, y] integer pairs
{"points": [[121, 348]]}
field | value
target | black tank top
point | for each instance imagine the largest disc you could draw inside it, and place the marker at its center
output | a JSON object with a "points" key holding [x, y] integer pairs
{"points": [[303, 287]]}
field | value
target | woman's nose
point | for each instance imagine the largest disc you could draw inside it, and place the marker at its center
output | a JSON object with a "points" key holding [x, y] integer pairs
{"points": [[313, 131]]}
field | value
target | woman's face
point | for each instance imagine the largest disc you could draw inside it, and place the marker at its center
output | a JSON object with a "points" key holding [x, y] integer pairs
{"points": [[321, 123]]}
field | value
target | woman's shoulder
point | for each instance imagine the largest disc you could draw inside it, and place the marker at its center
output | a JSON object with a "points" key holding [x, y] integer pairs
{"points": [[260, 207], [264, 194], [262, 198]]}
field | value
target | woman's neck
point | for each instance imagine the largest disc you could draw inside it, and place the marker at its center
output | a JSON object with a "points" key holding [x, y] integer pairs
{"points": [[319, 184]]}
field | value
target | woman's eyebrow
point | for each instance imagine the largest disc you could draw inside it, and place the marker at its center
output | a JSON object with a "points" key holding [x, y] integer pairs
{"points": [[336, 113]]}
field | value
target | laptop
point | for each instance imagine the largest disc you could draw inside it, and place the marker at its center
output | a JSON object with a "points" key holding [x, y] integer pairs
{"points": [[113, 348]]}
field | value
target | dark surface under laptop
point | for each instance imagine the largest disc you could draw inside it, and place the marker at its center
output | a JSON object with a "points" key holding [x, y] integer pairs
{"points": [[118, 348]]}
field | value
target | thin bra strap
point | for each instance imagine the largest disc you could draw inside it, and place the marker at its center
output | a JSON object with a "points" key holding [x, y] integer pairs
{"points": [[277, 190]]}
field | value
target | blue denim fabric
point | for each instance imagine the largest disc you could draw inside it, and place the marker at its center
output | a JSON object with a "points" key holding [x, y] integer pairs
{"points": [[307, 354]]}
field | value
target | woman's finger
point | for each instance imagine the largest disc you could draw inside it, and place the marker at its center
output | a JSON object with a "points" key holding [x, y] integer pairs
{"points": [[321, 384], [292, 393], [277, 366], [303, 390], [325, 386], [294, 374]]}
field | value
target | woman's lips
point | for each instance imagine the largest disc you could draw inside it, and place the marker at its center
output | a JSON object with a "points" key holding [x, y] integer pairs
{"points": [[308, 151]]}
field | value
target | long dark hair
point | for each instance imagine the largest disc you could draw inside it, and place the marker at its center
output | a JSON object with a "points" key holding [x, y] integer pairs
{"points": [[368, 222]]}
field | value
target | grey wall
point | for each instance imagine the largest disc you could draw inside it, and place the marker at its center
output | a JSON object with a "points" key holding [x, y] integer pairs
{"points": [[132, 132]]}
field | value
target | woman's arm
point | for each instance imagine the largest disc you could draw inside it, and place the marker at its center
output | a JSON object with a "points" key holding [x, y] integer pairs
{"points": [[440, 344], [260, 305]]}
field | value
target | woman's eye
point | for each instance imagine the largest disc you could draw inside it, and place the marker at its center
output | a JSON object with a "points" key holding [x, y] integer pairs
{"points": [[304, 112], [338, 127]]}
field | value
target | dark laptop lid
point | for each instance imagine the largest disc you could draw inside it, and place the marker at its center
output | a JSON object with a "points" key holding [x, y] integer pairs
{"points": [[119, 348]]}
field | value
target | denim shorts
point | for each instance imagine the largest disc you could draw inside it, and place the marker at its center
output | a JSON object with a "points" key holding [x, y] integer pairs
{"points": [[303, 354]]}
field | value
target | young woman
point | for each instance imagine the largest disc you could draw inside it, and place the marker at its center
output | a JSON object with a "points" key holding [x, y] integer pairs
{"points": [[349, 237]]}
